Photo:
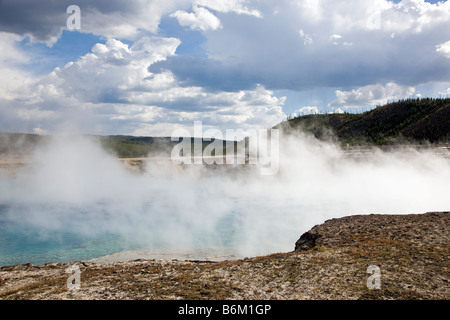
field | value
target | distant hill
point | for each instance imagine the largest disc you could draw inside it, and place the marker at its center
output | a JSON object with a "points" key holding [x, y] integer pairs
{"points": [[18, 144], [405, 121], [22, 145], [136, 147]]}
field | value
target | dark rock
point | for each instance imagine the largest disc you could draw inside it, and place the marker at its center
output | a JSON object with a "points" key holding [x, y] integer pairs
{"points": [[307, 241]]}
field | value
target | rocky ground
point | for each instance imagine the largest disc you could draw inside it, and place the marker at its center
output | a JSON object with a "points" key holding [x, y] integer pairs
{"points": [[330, 262]]}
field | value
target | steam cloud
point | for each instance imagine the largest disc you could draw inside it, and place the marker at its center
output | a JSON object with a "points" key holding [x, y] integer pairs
{"points": [[74, 186]]}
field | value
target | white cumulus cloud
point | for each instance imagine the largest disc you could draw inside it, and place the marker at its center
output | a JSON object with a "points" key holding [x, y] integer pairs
{"points": [[305, 111], [444, 49], [111, 91], [371, 95], [225, 6], [200, 19]]}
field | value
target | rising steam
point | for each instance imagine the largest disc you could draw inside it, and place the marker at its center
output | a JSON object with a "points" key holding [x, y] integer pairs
{"points": [[74, 186]]}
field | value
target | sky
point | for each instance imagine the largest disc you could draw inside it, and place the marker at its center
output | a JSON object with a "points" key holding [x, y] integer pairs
{"points": [[147, 67]]}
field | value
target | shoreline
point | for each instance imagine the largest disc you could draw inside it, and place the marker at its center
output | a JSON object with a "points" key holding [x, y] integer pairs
{"points": [[169, 254], [210, 254], [331, 262]]}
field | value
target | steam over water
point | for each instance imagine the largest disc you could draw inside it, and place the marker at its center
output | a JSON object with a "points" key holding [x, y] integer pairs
{"points": [[76, 202]]}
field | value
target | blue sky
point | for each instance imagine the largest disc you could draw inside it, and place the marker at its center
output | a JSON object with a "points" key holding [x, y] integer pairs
{"points": [[146, 67], [70, 46]]}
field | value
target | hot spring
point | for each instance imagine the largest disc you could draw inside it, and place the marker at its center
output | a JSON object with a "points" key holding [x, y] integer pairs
{"points": [[74, 201]]}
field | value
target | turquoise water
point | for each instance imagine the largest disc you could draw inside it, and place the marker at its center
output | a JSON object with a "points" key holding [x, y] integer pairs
{"points": [[79, 237], [23, 242], [22, 245]]}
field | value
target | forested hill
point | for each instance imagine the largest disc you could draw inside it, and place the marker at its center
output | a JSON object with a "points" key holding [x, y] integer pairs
{"points": [[407, 121], [413, 120]]}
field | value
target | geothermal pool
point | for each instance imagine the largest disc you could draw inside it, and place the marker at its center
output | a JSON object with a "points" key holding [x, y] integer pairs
{"points": [[76, 202]]}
